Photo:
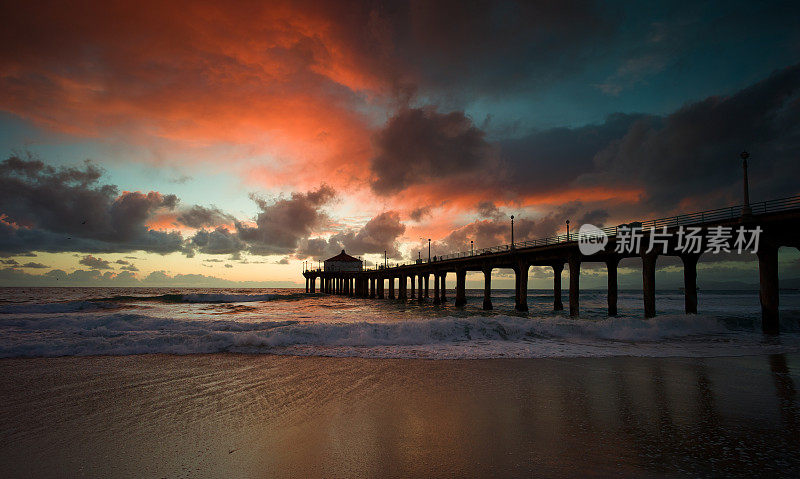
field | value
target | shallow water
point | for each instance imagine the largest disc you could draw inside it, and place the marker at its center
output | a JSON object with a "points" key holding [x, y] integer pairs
{"points": [[120, 321]]}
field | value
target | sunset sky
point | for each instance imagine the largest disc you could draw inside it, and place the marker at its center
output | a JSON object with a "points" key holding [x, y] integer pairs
{"points": [[195, 143]]}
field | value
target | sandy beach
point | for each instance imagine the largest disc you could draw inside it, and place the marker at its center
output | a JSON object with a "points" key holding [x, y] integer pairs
{"points": [[228, 415]]}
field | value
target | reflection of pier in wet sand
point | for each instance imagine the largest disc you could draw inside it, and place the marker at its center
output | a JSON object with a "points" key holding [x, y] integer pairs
{"points": [[779, 221]]}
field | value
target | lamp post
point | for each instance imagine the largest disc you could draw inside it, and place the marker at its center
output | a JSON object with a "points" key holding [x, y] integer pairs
{"points": [[512, 231], [385, 260], [429, 250], [746, 210], [567, 230], [471, 248]]}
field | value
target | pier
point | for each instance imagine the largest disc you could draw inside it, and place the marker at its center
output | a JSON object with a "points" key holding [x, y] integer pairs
{"points": [[778, 220]]}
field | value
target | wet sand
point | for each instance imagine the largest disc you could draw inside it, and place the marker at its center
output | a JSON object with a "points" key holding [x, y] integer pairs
{"points": [[228, 415]]}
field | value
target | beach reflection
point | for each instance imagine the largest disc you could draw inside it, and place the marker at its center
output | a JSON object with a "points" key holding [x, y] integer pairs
{"points": [[629, 416], [268, 416]]}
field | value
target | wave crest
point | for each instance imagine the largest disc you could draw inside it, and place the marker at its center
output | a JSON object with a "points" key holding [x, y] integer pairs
{"points": [[495, 336]]}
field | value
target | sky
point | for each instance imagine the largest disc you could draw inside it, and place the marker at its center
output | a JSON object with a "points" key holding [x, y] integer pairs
{"points": [[209, 144]]}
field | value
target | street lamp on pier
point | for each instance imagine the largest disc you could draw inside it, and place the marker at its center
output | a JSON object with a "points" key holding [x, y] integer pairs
{"points": [[746, 210], [567, 230], [512, 231], [471, 248], [429, 250]]}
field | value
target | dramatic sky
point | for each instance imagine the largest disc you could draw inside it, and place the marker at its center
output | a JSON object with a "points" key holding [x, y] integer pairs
{"points": [[210, 143]]}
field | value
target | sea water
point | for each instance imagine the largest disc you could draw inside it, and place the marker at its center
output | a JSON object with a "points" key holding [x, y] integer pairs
{"points": [[45, 322]]}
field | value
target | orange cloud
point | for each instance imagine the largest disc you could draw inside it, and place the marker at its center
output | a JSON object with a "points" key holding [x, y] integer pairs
{"points": [[280, 80]]}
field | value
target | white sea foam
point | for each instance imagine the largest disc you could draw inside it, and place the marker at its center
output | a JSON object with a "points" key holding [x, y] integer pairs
{"points": [[445, 337]]}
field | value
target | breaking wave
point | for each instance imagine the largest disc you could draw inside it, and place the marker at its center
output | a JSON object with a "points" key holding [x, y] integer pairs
{"points": [[439, 338]]}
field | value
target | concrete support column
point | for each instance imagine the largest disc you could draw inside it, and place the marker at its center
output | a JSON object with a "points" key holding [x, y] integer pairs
{"points": [[649, 284], [420, 281], [443, 286], [522, 286], [413, 279], [558, 305], [306, 284], [427, 280], [613, 292], [313, 284], [690, 282], [768, 281], [461, 287], [574, 285], [380, 288], [487, 289], [391, 287], [401, 288], [436, 299], [371, 288]]}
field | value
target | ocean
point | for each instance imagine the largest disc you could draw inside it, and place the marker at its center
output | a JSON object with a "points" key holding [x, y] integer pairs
{"points": [[48, 322]]}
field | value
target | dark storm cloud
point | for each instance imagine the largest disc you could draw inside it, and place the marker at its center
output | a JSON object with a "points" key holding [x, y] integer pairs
{"points": [[21, 241], [283, 223], [487, 209], [217, 241], [35, 265], [95, 263], [202, 217], [126, 265], [378, 235], [693, 152], [548, 160], [421, 145], [53, 209], [418, 214]]}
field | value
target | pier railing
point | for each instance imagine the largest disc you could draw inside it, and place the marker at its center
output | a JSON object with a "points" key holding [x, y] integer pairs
{"points": [[689, 219]]}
